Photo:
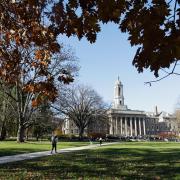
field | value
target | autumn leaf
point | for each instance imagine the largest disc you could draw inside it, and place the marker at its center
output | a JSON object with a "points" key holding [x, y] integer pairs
{"points": [[38, 54], [17, 39], [35, 103]]}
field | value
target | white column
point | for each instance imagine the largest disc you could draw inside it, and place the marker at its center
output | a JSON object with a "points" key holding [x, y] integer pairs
{"points": [[144, 127], [111, 125], [135, 126], [131, 126], [125, 126], [116, 126], [121, 127], [139, 126]]}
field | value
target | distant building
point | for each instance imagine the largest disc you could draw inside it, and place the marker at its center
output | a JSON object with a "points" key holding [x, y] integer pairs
{"points": [[95, 127], [162, 124], [69, 127], [124, 122]]}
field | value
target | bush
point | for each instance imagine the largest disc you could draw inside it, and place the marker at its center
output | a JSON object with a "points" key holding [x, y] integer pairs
{"points": [[96, 135]]}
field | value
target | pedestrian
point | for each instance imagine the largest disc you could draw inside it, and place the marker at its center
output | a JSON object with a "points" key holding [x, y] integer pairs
{"points": [[54, 140], [100, 141]]}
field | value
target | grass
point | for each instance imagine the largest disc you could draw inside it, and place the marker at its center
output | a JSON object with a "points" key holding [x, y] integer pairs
{"points": [[141, 160], [8, 148]]}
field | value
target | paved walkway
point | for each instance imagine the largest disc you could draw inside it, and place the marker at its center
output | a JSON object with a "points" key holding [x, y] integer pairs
{"points": [[21, 157]]}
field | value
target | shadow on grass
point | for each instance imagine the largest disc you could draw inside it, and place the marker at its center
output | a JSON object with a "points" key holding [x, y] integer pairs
{"points": [[30, 147], [104, 163], [13, 148], [14, 151]]}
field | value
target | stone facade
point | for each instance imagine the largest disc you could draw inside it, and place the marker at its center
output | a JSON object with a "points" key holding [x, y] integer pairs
{"points": [[161, 123], [124, 122], [69, 127], [127, 123]]}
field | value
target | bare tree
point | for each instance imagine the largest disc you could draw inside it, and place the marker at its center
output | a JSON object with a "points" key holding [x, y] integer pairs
{"points": [[81, 104], [31, 84]]}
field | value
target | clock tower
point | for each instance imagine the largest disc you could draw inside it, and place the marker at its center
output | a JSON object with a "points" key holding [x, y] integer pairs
{"points": [[118, 96]]}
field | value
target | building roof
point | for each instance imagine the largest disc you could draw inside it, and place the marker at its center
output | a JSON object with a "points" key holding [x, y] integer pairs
{"points": [[127, 112]]}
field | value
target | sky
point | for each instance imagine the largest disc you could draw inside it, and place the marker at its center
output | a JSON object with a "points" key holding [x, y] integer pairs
{"points": [[111, 56]]}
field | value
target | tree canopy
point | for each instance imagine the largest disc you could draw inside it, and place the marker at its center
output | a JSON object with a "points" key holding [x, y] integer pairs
{"points": [[152, 25]]}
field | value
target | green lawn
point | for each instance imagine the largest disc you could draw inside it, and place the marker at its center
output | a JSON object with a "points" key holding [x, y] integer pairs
{"points": [[11, 147], [141, 160]]}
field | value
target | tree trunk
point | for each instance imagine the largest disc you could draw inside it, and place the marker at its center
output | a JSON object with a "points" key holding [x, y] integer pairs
{"points": [[20, 133], [37, 138], [81, 132], [3, 132], [20, 108], [27, 134], [3, 118]]}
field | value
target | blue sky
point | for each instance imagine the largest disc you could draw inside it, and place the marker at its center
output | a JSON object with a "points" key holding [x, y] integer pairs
{"points": [[111, 56]]}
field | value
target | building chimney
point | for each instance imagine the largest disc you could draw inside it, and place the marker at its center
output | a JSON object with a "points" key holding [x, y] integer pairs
{"points": [[156, 111]]}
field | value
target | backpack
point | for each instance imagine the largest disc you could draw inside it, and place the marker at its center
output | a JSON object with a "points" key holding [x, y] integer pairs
{"points": [[54, 140]]}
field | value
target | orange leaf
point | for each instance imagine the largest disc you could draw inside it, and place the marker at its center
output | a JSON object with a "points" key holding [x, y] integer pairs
{"points": [[34, 103], [38, 54]]}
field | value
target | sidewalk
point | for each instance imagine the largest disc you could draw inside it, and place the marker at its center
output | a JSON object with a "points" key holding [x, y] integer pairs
{"points": [[27, 156]]}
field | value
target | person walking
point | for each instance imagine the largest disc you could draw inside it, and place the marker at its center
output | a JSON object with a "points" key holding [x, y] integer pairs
{"points": [[100, 141], [54, 140]]}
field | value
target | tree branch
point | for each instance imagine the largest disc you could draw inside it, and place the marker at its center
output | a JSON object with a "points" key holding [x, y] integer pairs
{"points": [[175, 6], [167, 74]]}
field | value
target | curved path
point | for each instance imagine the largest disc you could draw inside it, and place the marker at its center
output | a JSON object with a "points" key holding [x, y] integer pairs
{"points": [[26, 156]]}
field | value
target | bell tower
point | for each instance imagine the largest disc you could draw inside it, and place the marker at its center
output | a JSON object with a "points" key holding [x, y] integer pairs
{"points": [[118, 95]]}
